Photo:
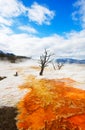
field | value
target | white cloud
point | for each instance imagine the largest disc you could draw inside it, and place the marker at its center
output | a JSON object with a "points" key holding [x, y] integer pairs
{"points": [[11, 8], [79, 13], [36, 13], [40, 14], [28, 29], [24, 44], [5, 21], [5, 30]]}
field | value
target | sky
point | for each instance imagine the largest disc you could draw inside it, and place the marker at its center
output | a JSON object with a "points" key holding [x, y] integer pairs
{"points": [[27, 27]]}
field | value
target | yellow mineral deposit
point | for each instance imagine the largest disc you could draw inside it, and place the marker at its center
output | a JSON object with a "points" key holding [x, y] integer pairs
{"points": [[51, 105]]}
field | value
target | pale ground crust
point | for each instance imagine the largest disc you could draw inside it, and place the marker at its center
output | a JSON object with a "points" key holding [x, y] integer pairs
{"points": [[11, 94]]}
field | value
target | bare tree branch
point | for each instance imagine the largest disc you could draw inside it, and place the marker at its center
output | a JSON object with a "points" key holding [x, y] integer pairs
{"points": [[60, 65], [45, 59]]}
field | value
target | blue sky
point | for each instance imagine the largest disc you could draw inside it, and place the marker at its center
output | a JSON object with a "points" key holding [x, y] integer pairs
{"points": [[27, 27], [62, 20]]}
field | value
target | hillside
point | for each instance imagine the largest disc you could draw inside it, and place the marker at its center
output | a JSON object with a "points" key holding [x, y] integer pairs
{"points": [[12, 57], [71, 61]]}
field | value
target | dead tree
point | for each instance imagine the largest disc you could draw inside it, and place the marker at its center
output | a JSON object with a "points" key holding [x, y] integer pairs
{"points": [[54, 67], [57, 65], [60, 65], [45, 59]]}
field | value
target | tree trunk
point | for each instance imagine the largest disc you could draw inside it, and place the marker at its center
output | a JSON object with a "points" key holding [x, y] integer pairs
{"points": [[41, 72]]}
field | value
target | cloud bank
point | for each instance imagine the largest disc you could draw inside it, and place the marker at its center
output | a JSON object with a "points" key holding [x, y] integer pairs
{"points": [[27, 42], [24, 44]]}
